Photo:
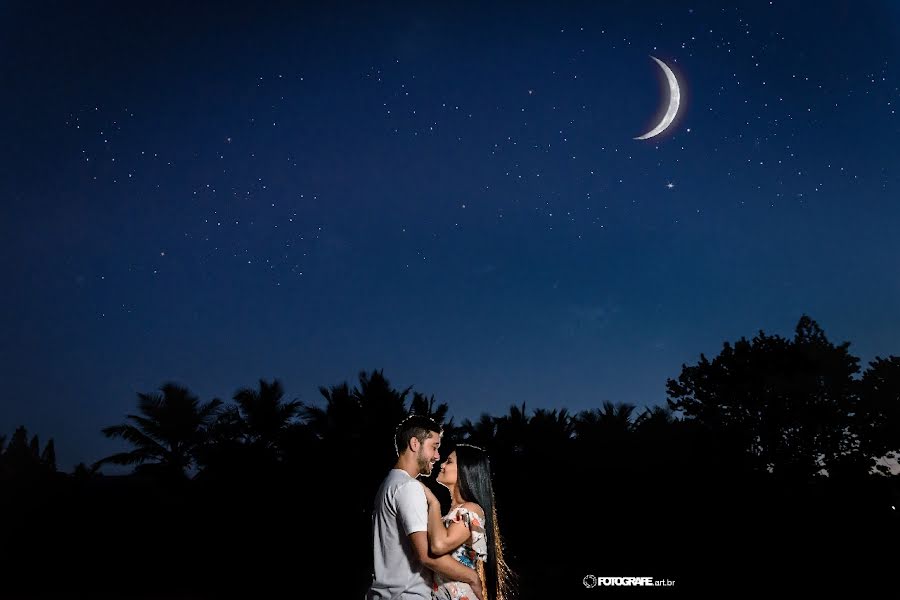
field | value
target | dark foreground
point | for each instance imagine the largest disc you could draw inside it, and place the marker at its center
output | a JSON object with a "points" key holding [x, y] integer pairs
{"points": [[128, 538]]}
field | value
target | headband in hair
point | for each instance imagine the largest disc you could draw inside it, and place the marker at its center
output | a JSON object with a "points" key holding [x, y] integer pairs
{"points": [[479, 448]]}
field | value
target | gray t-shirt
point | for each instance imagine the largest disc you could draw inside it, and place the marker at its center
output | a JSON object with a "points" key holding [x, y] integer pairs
{"points": [[400, 509]]}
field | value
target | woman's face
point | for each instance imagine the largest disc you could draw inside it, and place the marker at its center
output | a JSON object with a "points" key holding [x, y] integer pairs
{"points": [[447, 474]]}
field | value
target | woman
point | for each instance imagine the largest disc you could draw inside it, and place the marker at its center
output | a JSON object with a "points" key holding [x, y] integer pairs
{"points": [[469, 530]]}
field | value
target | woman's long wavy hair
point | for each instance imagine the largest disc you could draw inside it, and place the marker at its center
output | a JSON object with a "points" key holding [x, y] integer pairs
{"points": [[473, 468]]}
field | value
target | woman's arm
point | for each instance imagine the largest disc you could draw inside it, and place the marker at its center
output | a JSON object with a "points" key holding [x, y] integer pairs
{"points": [[443, 540]]}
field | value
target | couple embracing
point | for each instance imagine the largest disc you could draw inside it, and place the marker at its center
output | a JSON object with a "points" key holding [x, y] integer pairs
{"points": [[421, 554]]}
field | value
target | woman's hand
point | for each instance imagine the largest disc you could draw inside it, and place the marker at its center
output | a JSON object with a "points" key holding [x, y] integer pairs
{"points": [[433, 502], [475, 584]]}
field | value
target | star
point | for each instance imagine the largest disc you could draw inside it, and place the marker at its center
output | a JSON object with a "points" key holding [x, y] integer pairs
{"points": [[670, 185]]}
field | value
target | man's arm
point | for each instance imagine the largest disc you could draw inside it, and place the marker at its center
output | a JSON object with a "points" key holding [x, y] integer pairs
{"points": [[449, 568]]}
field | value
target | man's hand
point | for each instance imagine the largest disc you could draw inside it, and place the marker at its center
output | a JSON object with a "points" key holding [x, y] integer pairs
{"points": [[448, 567]]}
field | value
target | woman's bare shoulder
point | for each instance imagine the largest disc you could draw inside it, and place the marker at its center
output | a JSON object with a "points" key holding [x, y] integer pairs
{"points": [[474, 507]]}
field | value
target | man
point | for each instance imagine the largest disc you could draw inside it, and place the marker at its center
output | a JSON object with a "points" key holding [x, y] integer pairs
{"points": [[400, 521]]}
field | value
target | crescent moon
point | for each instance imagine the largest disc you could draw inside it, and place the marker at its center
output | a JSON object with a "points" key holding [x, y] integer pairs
{"points": [[674, 102]]}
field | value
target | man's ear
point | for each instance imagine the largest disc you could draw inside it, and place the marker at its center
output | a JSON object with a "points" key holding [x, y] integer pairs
{"points": [[414, 444]]}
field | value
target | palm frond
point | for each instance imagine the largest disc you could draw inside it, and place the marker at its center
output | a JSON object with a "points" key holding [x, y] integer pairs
{"points": [[132, 434], [138, 456]]}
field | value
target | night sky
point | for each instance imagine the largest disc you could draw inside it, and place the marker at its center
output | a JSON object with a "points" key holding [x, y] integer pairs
{"points": [[452, 193]]}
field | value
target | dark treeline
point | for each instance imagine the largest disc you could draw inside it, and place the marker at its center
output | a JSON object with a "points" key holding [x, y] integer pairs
{"points": [[765, 465]]}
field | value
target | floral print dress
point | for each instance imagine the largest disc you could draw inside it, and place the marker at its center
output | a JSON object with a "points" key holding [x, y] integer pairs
{"points": [[474, 549]]}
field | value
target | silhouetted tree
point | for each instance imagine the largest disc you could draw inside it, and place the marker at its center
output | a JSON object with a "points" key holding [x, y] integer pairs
{"points": [[666, 445], [877, 418], [168, 433], [421, 405], [516, 435], [656, 418], [228, 427], [355, 430], [48, 456], [605, 434], [383, 407], [425, 406], [23, 459], [512, 431], [516, 438], [786, 404], [552, 429], [354, 435], [83, 472], [266, 415], [341, 418], [225, 450], [362, 418], [481, 433], [610, 424], [254, 436]]}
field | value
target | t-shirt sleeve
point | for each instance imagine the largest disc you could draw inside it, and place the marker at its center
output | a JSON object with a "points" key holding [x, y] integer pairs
{"points": [[412, 508]]}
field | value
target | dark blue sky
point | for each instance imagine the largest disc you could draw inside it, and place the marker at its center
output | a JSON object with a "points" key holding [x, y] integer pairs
{"points": [[215, 194]]}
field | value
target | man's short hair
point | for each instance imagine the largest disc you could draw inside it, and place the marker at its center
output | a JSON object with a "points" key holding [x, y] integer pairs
{"points": [[414, 426]]}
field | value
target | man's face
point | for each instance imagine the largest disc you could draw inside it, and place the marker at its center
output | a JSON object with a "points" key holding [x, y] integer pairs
{"points": [[428, 453]]}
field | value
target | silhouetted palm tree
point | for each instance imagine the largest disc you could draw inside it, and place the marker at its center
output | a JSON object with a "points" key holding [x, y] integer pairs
{"points": [[482, 432], [355, 430], [515, 435], [609, 424], [228, 427], [365, 416], [512, 431], [340, 419], [170, 430], [658, 417], [83, 472], [266, 416], [606, 435], [225, 453], [552, 429], [421, 405], [661, 441], [383, 407]]}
